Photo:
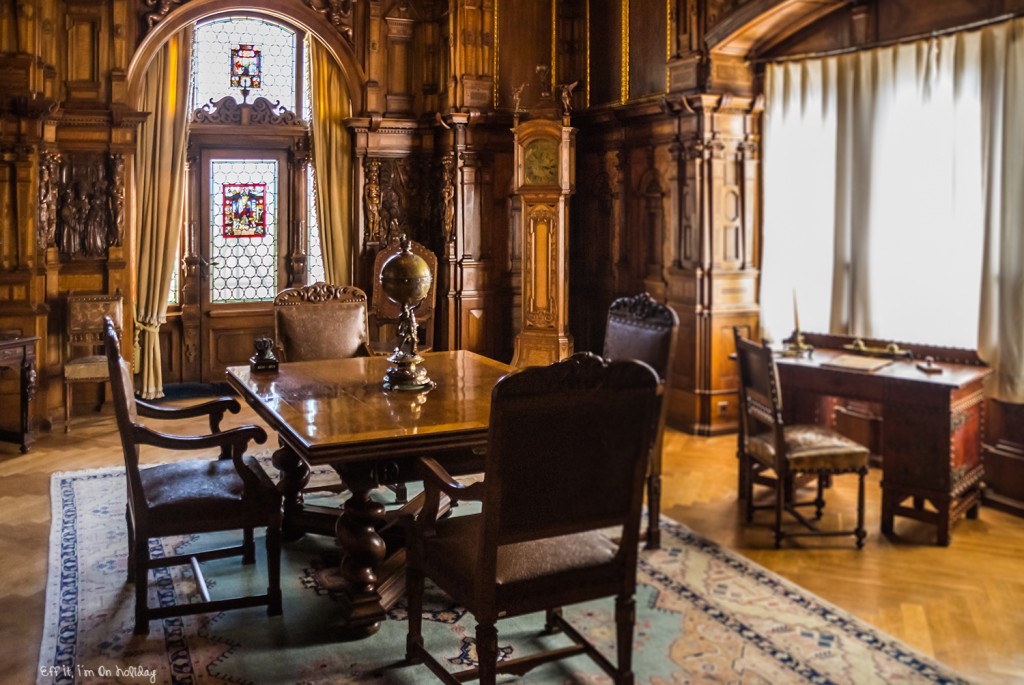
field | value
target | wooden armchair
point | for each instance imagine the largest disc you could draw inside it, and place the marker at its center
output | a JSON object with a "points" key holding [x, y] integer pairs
{"points": [[321, 321], [384, 311], [638, 327], [766, 444], [191, 497], [567, 452]]}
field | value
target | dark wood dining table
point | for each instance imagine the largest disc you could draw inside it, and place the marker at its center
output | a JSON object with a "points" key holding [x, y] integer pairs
{"points": [[336, 413]]}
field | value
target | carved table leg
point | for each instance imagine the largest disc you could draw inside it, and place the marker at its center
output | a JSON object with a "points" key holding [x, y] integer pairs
{"points": [[294, 476], [28, 391], [888, 510], [363, 550]]}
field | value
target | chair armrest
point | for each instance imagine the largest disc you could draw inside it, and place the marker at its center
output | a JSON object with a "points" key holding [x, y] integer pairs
{"points": [[233, 444], [215, 409], [437, 481]]}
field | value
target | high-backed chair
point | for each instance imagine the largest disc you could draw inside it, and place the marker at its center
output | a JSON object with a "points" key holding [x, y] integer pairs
{"points": [[83, 360], [192, 497], [321, 321], [567, 451], [638, 327], [384, 311], [767, 444]]}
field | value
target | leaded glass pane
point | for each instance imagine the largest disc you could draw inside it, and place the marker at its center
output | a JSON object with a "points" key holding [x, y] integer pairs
{"points": [[315, 258], [211, 59], [172, 296], [243, 239]]}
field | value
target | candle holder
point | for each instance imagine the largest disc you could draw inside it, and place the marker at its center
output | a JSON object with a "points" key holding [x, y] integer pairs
{"points": [[797, 346]]}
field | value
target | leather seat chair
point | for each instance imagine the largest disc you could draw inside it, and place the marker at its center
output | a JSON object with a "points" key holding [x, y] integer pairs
{"points": [[193, 496], [638, 327], [321, 321], [384, 312], [84, 337], [766, 445], [567, 452]]}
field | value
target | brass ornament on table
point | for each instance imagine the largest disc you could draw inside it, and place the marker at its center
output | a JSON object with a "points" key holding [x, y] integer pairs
{"points": [[406, 279], [892, 350], [796, 345]]}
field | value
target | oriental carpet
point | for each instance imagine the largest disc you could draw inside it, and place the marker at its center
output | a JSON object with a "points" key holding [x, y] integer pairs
{"points": [[704, 615]]}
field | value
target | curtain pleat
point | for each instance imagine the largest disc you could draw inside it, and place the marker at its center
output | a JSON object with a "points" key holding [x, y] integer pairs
{"points": [[1001, 324], [332, 159], [160, 197]]}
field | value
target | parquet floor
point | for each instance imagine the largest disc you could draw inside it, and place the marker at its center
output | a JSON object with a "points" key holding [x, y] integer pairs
{"points": [[961, 604]]}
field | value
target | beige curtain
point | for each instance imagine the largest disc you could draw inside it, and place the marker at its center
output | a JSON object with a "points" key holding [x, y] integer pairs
{"points": [[332, 157], [1001, 329], [160, 197]]}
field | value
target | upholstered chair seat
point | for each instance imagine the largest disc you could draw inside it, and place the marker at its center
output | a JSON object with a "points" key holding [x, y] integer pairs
{"points": [[91, 368], [811, 448]]}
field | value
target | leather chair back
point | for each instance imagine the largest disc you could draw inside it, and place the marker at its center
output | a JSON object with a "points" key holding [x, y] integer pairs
{"points": [[321, 321]]}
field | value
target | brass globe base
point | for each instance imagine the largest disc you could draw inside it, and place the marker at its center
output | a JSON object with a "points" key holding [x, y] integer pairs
{"points": [[406, 374]]}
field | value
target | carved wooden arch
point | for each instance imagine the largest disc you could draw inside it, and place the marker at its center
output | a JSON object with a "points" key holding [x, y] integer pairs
{"points": [[299, 15], [759, 25]]}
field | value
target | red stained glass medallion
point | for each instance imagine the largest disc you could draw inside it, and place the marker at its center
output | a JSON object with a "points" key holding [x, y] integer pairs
{"points": [[245, 213]]}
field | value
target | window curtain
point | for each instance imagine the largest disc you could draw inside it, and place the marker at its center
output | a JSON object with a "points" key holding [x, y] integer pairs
{"points": [[1001, 336], [332, 157], [883, 147], [160, 197]]}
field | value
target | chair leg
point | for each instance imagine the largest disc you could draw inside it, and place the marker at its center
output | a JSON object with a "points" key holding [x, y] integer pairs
{"points": [[67, 407], [414, 638], [625, 619], [654, 511], [550, 625], [141, 585], [860, 507], [274, 570], [487, 652], [248, 546], [780, 504], [131, 543], [747, 485], [819, 500]]}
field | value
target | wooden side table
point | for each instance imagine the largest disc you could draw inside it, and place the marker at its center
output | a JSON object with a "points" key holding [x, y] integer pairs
{"points": [[20, 353]]}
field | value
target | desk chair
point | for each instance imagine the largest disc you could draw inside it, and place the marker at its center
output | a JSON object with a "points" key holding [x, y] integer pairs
{"points": [[84, 335], [567, 452], [192, 497], [384, 311], [638, 327], [765, 443]]}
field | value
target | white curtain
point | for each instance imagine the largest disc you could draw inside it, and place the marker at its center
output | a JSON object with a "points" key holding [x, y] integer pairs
{"points": [[1001, 337], [873, 192]]}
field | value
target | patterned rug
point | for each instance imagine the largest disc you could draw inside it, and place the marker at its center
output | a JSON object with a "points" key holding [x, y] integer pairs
{"points": [[704, 615]]}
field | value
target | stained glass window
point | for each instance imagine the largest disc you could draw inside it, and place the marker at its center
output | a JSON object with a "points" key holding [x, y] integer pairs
{"points": [[212, 56], [243, 270]]}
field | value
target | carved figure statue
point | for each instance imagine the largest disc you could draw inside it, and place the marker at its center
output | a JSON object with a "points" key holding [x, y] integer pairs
{"points": [[95, 220], [68, 228], [448, 195], [567, 89], [115, 231], [517, 95]]}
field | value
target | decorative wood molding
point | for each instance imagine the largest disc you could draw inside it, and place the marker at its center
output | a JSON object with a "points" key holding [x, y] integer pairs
{"points": [[227, 111], [337, 12], [46, 228], [320, 292], [90, 204]]}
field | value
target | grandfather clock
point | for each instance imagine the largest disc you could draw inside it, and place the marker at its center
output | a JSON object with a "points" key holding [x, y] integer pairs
{"points": [[545, 178]]}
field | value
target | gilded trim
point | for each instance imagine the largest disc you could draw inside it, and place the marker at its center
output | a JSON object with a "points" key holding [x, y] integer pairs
{"points": [[554, 44], [497, 42], [668, 43], [624, 80], [587, 48]]}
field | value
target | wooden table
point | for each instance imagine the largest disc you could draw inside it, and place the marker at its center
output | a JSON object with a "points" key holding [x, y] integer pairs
{"points": [[931, 429], [20, 353], [335, 413]]}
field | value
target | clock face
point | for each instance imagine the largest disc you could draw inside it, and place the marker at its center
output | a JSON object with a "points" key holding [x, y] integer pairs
{"points": [[540, 163]]}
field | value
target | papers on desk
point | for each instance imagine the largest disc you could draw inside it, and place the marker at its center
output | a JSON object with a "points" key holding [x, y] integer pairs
{"points": [[855, 362]]}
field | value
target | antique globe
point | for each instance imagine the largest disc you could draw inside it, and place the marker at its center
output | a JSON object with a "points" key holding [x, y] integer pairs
{"points": [[406, 279]]}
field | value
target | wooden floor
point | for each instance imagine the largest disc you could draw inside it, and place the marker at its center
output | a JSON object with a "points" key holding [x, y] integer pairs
{"points": [[961, 604]]}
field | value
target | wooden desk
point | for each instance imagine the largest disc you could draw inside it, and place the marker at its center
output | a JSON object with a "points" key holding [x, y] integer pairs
{"points": [[20, 353], [931, 430], [335, 413]]}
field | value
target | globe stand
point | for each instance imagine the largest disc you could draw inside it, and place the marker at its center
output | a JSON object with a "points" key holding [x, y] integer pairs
{"points": [[406, 374]]}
